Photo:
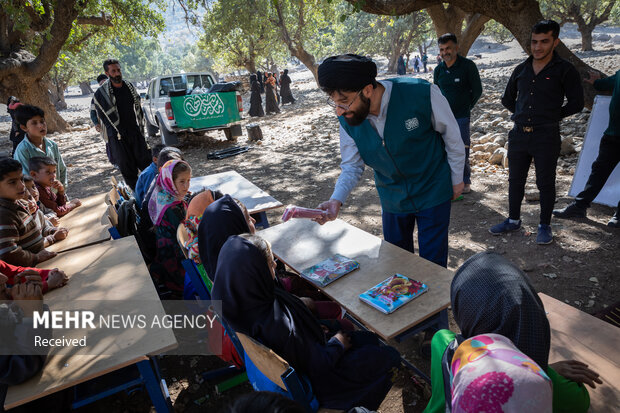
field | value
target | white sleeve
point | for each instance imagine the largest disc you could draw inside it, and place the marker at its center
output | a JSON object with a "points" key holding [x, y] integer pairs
{"points": [[444, 122], [352, 167]]}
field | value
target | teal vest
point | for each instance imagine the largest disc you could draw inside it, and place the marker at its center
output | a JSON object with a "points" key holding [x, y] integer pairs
{"points": [[411, 167]]}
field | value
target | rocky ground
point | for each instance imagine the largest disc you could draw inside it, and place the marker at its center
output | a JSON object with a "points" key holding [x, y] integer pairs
{"points": [[297, 163]]}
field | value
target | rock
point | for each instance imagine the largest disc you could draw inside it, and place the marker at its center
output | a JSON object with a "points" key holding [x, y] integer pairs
{"points": [[532, 195], [616, 39], [593, 279], [551, 275], [498, 156], [496, 121], [566, 258], [590, 303], [603, 37], [477, 148], [491, 146], [568, 146], [505, 161], [500, 140]]}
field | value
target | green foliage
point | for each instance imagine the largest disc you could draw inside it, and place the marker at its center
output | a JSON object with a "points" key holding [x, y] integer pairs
{"points": [[565, 11], [497, 32]]}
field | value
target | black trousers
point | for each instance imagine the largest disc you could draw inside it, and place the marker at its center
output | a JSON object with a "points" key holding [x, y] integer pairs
{"points": [[542, 145], [132, 155], [605, 163]]}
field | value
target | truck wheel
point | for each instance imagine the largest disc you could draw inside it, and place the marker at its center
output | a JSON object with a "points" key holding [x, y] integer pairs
{"points": [[151, 130], [168, 138]]}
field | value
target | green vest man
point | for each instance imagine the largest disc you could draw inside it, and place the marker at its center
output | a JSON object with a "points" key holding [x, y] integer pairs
{"points": [[404, 129]]}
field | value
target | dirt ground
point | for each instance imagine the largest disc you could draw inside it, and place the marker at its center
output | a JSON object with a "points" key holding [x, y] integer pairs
{"points": [[298, 163]]}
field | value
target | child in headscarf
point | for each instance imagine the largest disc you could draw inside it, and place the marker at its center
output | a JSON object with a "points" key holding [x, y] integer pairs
{"points": [[167, 210], [256, 102], [490, 295], [345, 370]]}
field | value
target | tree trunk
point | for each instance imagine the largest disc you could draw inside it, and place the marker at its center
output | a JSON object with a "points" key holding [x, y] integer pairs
{"points": [[450, 20], [586, 37], [33, 92], [474, 26], [393, 61], [518, 16], [85, 88]]}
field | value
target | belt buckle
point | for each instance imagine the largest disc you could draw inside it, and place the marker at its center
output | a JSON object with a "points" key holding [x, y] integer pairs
{"points": [[528, 129]]}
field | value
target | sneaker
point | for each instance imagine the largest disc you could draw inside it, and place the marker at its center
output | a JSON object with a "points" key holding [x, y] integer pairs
{"points": [[614, 222], [467, 189], [570, 211], [504, 227], [544, 235]]}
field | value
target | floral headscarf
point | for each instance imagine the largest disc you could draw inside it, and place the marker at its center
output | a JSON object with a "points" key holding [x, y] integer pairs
{"points": [[165, 194]]}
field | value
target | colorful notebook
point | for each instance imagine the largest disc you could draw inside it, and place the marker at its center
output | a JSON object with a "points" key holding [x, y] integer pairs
{"points": [[393, 293], [329, 270]]}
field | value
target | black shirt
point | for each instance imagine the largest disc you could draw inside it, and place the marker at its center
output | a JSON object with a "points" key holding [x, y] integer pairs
{"points": [[126, 113], [538, 99]]}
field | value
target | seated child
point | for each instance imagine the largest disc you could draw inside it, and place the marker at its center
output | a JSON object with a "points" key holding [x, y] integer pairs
{"points": [[491, 295], [18, 363], [147, 176], [50, 233], [21, 242], [51, 191], [31, 120], [167, 210], [345, 369]]}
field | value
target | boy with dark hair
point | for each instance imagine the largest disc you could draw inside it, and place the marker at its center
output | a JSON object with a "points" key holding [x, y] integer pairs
{"points": [[21, 242], [31, 120], [535, 95], [147, 176], [50, 233], [51, 191]]}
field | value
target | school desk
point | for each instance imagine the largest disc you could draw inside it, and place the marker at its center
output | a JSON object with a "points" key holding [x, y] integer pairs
{"points": [[301, 243], [255, 199], [87, 224], [576, 335], [112, 270]]}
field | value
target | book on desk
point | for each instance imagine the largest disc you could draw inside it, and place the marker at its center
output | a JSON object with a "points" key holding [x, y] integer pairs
{"points": [[392, 293], [329, 270]]}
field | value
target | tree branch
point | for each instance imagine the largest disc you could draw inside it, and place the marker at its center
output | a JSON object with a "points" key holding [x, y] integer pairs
{"points": [[102, 20]]}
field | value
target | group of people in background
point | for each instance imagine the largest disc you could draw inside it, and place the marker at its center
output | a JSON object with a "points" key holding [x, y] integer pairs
{"points": [[417, 64], [277, 89]]}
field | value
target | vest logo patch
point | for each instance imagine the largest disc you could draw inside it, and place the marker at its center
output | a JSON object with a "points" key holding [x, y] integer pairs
{"points": [[412, 124]]}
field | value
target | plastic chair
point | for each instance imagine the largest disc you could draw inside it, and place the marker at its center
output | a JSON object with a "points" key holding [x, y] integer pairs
{"points": [[269, 372]]}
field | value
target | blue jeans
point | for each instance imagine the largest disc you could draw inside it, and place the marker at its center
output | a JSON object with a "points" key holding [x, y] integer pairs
{"points": [[464, 127], [433, 226]]}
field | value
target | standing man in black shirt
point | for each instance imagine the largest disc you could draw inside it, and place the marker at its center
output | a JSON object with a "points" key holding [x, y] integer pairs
{"points": [[118, 107], [459, 81], [535, 95]]}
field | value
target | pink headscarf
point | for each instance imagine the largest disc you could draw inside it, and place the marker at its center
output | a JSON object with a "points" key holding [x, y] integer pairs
{"points": [[165, 194]]}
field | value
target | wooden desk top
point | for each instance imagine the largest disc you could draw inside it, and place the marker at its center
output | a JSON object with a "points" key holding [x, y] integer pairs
{"points": [[579, 336], [301, 243], [231, 182], [87, 224], [112, 270]]}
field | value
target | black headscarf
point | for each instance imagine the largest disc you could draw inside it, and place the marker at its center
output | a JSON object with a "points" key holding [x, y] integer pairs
{"points": [[253, 304], [220, 220], [253, 78], [490, 295], [346, 72]]}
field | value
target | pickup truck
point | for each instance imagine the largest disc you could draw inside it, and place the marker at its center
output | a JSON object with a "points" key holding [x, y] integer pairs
{"points": [[177, 105]]}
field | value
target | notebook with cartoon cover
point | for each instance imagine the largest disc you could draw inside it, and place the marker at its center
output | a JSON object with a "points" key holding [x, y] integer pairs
{"points": [[393, 293], [329, 270]]}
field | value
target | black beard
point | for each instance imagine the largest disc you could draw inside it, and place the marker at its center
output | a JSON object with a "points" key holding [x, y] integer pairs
{"points": [[116, 79], [359, 115]]}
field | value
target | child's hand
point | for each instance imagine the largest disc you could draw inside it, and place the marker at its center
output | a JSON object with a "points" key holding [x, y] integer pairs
{"points": [[45, 255], [344, 339], [56, 279], [32, 207], [61, 233], [29, 276], [58, 186], [29, 297], [54, 220], [76, 203]]}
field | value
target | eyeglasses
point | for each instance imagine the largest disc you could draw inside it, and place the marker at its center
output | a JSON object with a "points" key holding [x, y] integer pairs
{"points": [[335, 105]]}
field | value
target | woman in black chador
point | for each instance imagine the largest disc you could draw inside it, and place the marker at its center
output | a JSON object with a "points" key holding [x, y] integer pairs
{"points": [[259, 77], [256, 102], [285, 88], [271, 102]]}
